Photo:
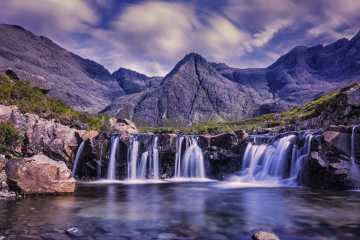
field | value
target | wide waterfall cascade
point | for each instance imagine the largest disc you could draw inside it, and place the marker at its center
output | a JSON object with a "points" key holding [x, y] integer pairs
{"points": [[278, 161], [354, 170], [189, 164], [111, 172], [77, 158], [146, 165]]}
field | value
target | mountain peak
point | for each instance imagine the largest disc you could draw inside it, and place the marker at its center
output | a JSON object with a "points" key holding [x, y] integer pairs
{"points": [[356, 37]]}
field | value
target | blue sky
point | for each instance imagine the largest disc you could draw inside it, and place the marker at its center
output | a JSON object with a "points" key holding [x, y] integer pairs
{"points": [[151, 36]]}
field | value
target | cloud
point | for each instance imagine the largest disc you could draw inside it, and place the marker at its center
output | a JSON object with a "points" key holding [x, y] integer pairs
{"points": [[157, 26], [336, 19], [151, 36], [46, 14]]}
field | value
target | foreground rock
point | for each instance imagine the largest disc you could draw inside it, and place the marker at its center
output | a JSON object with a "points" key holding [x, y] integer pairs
{"points": [[39, 175], [264, 236], [330, 161]]}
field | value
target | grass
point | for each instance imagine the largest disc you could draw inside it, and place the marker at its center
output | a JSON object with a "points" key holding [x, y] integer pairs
{"points": [[307, 111], [33, 100], [9, 138]]}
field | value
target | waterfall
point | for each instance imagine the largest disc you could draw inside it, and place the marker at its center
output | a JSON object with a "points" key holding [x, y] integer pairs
{"points": [[298, 161], [155, 158], [354, 170], [77, 158], [147, 166], [279, 160], [191, 164], [133, 156], [111, 173]]}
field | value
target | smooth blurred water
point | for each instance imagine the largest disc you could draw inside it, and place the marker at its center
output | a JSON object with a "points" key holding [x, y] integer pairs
{"points": [[186, 211]]}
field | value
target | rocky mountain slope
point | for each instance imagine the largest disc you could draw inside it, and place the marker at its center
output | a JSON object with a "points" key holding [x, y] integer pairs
{"points": [[133, 82], [79, 82], [193, 91]]}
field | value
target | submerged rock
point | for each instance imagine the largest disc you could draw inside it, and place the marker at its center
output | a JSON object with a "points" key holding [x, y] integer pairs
{"points": [[264, 236], [75, 232], [39, 175]]}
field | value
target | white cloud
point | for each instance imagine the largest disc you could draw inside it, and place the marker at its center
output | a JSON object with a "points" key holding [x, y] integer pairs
{"points": [[151, 36], [63, 15]]}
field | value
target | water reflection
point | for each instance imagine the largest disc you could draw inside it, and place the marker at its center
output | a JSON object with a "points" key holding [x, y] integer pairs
{"points": [[187, 211]]}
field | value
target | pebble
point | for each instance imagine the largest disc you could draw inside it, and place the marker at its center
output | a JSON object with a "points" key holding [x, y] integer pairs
{"points": [[262, 235], [75, 232], [166, 236]]}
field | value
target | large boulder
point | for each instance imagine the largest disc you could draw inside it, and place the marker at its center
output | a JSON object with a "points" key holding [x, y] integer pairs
{"points": [[39, 175], [329, 164], [123, 127], [339, 137]]}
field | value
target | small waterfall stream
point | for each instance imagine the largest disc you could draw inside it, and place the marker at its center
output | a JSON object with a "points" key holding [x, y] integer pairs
{"points": [[191, 163], [77, 158], [281, 160], [354, 170], [146, 165], [111, 173]]}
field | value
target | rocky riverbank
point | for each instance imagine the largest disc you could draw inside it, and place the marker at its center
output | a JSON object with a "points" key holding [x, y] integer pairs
{"points": [[39, 160]]}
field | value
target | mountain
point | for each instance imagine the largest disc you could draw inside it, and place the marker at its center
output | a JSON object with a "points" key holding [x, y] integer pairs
{"points": [[133, 82], [193, 91], [196, 90], [79, 82]]}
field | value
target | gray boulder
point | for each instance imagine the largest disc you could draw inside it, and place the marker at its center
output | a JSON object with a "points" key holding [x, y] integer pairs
{"points": [[39, 175]]}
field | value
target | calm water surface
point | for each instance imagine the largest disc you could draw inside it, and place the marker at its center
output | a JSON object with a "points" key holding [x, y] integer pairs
{"points": [[184, 211]]}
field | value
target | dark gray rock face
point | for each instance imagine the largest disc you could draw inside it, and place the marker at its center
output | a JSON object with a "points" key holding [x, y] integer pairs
{"points": [[81, 83], [133, 82], [329, 166], [303, 73], [193, 91]]}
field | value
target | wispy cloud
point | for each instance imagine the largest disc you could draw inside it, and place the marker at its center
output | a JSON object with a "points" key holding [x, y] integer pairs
{"points": [[151, 36]]}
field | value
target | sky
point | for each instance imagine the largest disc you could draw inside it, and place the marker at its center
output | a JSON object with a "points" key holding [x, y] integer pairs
{"points": [[152, 36]]}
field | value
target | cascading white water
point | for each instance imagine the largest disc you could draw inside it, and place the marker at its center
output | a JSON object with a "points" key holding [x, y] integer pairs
{"points": [[267, 162], [298, 158], [77, 158], [155, 158], [278, 161], [354, 170], [191, 164], [111, 173], [147, 166]]}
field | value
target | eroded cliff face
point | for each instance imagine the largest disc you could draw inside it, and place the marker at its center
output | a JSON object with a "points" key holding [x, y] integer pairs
{"points": [[334, 160]]}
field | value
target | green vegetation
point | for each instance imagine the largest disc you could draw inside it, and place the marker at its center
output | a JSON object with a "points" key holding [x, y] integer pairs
{"points": [[307, 111], [34, 100], [9, 138]]}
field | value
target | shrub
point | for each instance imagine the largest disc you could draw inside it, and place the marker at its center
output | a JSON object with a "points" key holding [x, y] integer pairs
{"points": [[9, 137], [33, 100]]}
